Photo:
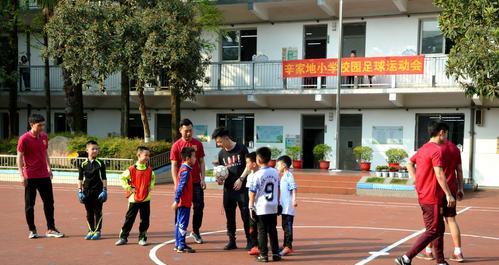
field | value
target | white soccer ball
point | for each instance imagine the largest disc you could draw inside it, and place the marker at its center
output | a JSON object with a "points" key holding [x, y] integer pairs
{"points": [[221, 173]]}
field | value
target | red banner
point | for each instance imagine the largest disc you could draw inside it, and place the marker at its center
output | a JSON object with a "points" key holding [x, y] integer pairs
{"points": [[353, 66]]}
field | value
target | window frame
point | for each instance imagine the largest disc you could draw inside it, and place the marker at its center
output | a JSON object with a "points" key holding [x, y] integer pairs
{"points": [[447, 114], [239, 37], [420, 42]]}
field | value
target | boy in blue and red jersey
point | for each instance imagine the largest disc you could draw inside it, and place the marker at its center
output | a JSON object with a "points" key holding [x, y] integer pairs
{"points": [[183, 199]]}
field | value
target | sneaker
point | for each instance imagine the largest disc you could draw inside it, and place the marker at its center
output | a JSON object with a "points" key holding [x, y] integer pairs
{"points": [[425, 255], [285, 251], [400, 261], [143, 242], [97, 236], [175, 248], [54, 233], [254, 251], [121, 241], [89, 235], [186, 249], [33, 234], [276, 257], [231, 245], [458, 258], [197, 238], [262, 258]]}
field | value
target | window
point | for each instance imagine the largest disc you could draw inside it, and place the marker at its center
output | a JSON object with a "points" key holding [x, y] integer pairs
{"points": [[164, 127], [432, 39], [239, 45], [454, 120], [241, 127], [135, 129], [61, 125]]}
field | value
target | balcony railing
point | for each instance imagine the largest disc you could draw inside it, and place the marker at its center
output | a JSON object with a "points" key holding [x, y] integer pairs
{"points": [[256, 76]]}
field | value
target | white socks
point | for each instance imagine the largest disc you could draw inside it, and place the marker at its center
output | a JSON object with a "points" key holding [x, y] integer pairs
{"points": [[429, 250], [457, 251], [406, 259]]}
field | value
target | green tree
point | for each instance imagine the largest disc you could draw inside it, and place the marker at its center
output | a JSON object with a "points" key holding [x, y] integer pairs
{"points": [[9, 23], [473, 25]]}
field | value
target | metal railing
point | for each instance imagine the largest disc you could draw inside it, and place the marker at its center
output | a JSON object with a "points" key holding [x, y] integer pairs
{"points": [[160, 160], [72, 163], [268, 75], [257, 76]]}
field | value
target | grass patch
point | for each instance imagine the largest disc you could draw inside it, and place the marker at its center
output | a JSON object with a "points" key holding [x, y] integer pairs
{"points": [[399, 181], [375, 180], [209, 173]]}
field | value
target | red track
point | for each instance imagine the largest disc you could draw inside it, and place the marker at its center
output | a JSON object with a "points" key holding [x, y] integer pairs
{"points": [[330, 229]]}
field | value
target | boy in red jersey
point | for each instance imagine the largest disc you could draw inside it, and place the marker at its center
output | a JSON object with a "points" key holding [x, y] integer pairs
{"points": [[433, 193], [183, 199], [138, 181]]}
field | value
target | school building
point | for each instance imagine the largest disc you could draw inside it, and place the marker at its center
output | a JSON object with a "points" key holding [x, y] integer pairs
{"points": [[248, 94]]}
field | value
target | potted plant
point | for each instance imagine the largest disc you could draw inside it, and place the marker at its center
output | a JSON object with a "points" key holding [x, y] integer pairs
{"points": [[394, 156], [379, 170], [275, 153], [364, 156], [295, 153], [384, 171], [392, 171], [321, 152], [403, 172]]}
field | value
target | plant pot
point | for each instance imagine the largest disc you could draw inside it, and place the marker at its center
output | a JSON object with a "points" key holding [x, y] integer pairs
{"points": [[391, 174], [324, 164], [379, 174], [384, 174], [399, 175], [297, 164], [365, 166], [272, 163], [395, 165]]}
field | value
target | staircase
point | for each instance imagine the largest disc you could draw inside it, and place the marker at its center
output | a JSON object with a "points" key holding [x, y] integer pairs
{"points": [[326, 182]]}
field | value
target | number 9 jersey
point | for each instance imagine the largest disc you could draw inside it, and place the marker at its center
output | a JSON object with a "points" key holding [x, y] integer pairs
{"points": [[265, 185]]}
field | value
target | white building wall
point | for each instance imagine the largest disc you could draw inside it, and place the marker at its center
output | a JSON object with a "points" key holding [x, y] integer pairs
{"points": [[486, 160], [102, 123]]}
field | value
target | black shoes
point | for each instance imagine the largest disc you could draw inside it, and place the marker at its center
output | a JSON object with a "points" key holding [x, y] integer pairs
{"points": [[231, 245]]}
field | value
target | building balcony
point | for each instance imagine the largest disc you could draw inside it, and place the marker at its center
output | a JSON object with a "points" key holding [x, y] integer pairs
{"points": [[258, 77]]}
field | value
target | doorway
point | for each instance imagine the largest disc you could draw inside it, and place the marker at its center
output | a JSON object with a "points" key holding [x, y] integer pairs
{"points": [[350, 136], [313, 129], [315, 39]]}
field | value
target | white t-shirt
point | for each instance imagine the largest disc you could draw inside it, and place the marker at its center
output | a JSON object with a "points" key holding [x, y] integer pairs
{"points": [[266, 184], [250, 179], [287, 185]]}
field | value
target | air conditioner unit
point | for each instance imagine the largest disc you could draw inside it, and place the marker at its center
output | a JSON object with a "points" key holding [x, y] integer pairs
{"points": [[479, 117]]}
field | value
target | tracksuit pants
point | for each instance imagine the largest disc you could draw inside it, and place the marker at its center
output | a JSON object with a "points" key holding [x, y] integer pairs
{"points": [[44, 187], [181, 226], [435, 228], [93, 206], [287, 227], [267, 230], [133, 208]]}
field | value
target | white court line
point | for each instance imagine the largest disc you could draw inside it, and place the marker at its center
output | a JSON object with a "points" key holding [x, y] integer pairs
{"points": [[301, 199], [396, 244], [156, 260]]}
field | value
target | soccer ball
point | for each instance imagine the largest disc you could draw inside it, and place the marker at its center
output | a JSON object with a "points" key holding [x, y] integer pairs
{"points": [[220, 173]]}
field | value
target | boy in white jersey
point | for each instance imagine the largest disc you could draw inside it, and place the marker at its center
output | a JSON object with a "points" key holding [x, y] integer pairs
{"points": [[287, 201], [251, 168], [264, 199]]}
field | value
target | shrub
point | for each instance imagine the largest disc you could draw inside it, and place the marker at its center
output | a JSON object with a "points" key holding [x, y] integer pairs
{"points": [[276, 152], [294, 152], [8, 146], [363, 153], [396, 155], [322, 151]]}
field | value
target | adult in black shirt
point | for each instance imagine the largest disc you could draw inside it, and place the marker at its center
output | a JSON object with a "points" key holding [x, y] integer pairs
{"points": [[232, 155]]}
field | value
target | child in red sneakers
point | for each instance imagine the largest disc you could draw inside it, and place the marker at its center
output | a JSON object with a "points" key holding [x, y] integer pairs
{"points": [[251, 168], [287, 202]]}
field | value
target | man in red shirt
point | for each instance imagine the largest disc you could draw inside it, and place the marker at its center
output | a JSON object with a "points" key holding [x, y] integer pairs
{"points": [[454, 172], [197, 173], [433, 193], [34, 168]]}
